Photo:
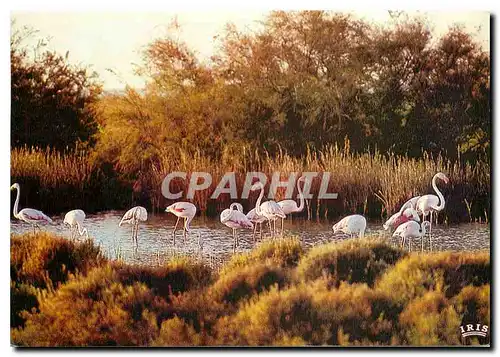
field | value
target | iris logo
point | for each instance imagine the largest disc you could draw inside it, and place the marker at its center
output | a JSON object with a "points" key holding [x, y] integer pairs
{"points": [[474, 330]]}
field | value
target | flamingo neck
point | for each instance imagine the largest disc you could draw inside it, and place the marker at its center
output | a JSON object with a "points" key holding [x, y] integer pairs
{"points": [[440, 206], [16, 204], [188, 221], [257, 204], [81, 230], [301, 197]]}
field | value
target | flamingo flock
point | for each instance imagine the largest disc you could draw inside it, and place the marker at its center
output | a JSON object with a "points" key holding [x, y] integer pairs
{"points": [[406, 223]]}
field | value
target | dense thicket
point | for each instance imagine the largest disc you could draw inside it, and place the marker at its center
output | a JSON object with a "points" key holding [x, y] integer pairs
{"points": [[51, 100]]}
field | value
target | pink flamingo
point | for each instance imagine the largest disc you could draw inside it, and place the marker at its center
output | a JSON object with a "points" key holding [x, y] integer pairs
{"points": [[235, 219], [269, 209], [74, 219], [290, 206], [184, 210], [256, 219], [398, 218], [411, 229], [432, 203], [133, 216], [28, 215], [354, 224]]}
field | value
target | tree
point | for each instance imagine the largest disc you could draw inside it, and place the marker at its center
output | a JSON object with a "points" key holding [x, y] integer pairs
{"points": [[51, 100]]}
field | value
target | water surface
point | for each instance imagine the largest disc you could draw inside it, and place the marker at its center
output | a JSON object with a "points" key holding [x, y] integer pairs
{"points": [[212, 242]]}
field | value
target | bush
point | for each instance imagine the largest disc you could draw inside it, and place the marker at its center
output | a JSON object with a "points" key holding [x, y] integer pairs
{"points": [[176, 332], [284, 252], [438, 326], [353, 260], [231, 287], [23, 297], [312, 315], [178, 275], [448, 272], [96, 310], [44, 260]]}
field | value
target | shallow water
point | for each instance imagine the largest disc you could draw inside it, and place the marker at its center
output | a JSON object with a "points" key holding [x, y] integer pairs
{"points": [[155, 242]]}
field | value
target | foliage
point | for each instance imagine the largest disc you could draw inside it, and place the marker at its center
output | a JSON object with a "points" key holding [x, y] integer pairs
{"points": [[353, 261], [259, 303], [447, 272], [51, 100]]}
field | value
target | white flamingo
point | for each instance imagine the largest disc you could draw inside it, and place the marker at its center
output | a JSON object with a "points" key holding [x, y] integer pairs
{"points": [[354, 224], [28, 215], [75, 220], [235, 219], [432, 203], [256, 219], [184, 210], [290, 206], [398, 218], [411, 229], [269, 209], [134, 216]]}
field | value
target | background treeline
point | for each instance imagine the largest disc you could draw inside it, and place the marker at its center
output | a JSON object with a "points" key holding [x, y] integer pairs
{"points": [[305, 86]]}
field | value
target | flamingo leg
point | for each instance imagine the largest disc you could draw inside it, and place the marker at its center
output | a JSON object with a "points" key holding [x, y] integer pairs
{"points": [[254, 231], [260, 230], [175, 227], [430, 234], [270, 228], [282, 226], [185, 229], [234, 240]]}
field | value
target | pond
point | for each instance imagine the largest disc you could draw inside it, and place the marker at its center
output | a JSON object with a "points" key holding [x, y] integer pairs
{"points": [[211, 241]]}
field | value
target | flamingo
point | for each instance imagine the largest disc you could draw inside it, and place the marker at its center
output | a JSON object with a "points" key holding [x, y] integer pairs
{"points": [[398, 218], [411, 229], [269, 209], [290, 206], [235, 219], [28, 215], [432, 203], [353, 224], [75, 219], [133, 216], [256, 219], [184, 210]]}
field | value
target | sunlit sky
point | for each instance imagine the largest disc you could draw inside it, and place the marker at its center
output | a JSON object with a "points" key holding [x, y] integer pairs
{"points": [[104, 40]]}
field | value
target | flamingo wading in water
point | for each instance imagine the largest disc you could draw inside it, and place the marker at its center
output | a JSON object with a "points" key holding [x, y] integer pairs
{"points": [[403, 216], [134, 216], [256, 219], [354, 224], [184, 210], [28, 215], [269, 209], [432, 203], [75, 220], [290, 206], [235, 219], [411, 229]]}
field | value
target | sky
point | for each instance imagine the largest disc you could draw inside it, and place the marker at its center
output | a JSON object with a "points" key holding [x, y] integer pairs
{"points": [[113, 40]]}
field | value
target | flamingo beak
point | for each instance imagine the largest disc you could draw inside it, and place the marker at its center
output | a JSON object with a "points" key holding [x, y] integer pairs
{"points": [[446, 180]]}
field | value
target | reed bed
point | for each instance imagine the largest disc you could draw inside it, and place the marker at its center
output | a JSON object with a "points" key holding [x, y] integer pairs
{"points": [[374, 184]]}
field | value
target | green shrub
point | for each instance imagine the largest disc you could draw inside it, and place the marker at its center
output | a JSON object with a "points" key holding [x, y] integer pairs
{"points": [[23, 297], [283, 252], [96, 310], [430, 320], [44, 260], [448, 272], [233, 286], [473, 304], [311, 314], [178, 275], [176, 332], [353, 260]]}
